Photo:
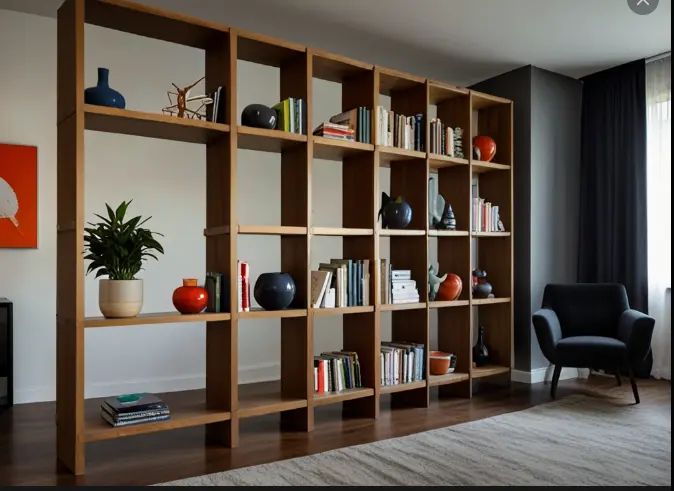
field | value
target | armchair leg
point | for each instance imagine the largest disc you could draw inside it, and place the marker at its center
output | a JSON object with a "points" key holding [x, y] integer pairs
{"points": [[617, 376], [635, 391], [555, 380]]}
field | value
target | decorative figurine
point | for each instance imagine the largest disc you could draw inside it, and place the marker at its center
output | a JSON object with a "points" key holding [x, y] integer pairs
{"points": [[395, 213], [448, 221], [434, 282], [481, 287], [180, 107], [480, 351], [436, 203]]}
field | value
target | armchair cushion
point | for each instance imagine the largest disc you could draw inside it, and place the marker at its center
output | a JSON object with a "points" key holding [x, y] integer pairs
{"points": [[591, 351]]}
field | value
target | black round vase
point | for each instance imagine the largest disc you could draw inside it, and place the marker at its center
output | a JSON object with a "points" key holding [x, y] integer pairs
{"points": [[482, 290], [395, 213], [274, 291], [259, 116]]}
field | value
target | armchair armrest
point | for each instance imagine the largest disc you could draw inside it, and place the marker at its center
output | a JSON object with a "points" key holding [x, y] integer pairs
{"points": [[635, 329], [548, 332]]}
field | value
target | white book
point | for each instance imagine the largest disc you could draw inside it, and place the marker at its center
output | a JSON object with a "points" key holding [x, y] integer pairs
{"points": [[329, 299], [405, 300], [401, 274]]}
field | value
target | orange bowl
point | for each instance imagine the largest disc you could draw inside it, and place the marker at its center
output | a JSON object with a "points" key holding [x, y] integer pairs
{"points": [[439, 364]]}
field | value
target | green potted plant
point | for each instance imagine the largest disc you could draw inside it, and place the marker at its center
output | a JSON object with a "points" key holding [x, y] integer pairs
{"points": [[117, 249]]}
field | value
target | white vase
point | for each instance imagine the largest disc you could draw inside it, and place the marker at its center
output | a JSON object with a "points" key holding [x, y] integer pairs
{"points": [[120, 298]]}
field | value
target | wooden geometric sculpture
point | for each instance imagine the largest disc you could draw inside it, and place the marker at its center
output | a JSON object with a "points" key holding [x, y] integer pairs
{"points": [[180, 106]]}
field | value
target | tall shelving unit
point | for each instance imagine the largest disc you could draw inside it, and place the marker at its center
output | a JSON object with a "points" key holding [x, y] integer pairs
{"points": [[362, 84]]}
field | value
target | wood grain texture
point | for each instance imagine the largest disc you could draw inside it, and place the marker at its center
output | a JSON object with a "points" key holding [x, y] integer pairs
{"points": [[155, 318], [264, 140]]}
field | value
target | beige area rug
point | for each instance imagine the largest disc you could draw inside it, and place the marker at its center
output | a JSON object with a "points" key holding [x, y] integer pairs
{"points": [[574, 441]]}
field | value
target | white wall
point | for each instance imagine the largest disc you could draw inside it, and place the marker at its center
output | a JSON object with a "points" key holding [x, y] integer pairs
{"points": [[167, 181]]}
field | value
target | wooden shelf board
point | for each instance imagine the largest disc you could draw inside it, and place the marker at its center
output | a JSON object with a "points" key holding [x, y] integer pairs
{"points": [[439, 92], [387, 155], [391, 232], [448, 233], [265, 140], [183, 415], [151, 125], [345, 395], [265, 398], [341, 231], [331, 149], [480, 166], [390, 389], [386, 307], [490, 234], [272, 314], [336, 68], [490, 301], [441, 304], [436, 161], [448, 378], [151, 22], [394, 81], [271, 230], [481, 100], [323, 312], [488, 371], [156, 318], [258, 48]]}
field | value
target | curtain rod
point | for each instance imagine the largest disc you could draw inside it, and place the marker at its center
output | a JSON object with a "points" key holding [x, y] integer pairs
{"points": [[659, 57]]}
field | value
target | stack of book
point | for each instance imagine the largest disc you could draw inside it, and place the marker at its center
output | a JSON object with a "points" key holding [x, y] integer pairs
{"points": [[445, 140], [357, 119], [291, 115], [243, 286], [485, 217], [398, 130], [217, 288], [350, 280], [335, 131], [132, 409], [336, 370], [402, 288], [215, 111], [401, 363]]}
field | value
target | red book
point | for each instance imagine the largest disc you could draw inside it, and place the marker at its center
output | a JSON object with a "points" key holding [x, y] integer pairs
{"points": [[321, 384], [244, 273]]}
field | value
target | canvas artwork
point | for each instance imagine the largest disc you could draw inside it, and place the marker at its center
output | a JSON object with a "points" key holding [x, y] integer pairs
{"points": [[18, 196]]}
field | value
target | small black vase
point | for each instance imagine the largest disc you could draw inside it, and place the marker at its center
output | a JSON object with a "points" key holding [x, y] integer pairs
{"points": [[274, 291], [480, 351]]}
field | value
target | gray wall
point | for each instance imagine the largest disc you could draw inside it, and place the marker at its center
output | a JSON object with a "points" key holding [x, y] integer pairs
{"points": [[546, 174]]}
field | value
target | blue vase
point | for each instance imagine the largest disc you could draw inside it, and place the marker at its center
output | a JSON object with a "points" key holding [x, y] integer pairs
{"points": [[274, 291], [102, 94]]}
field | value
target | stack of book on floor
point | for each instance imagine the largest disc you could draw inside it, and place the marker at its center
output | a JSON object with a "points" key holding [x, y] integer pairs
{"points": [[397, 285], [132, 409], [291, 115], [446, 140], [358, 120], [335, 131], [336, 370], [401, 363], [341, 283], [398, 130]]}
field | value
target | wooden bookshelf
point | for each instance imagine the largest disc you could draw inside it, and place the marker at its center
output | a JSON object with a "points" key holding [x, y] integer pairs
{"points": [[360, 233]]}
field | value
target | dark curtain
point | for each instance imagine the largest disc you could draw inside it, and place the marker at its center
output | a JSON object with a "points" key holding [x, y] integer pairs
{"points": [[612, 235]]}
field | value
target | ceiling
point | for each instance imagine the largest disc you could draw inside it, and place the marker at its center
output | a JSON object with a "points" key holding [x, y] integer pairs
{"points": [[463, 41]]}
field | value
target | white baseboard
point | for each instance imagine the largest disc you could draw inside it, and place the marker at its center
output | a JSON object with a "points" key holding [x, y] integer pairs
{"points": [[261, 372], [544, 374]]}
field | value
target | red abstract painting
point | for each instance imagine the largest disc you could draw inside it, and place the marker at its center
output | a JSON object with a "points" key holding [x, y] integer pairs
{"points": [[18, 196]]}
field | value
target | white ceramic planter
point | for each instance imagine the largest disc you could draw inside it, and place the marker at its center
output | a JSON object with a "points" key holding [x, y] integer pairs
{"points": [[120, 298]]}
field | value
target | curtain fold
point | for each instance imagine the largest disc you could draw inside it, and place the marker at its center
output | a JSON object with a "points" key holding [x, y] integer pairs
{"points": [[612, 241], [659, 178]]}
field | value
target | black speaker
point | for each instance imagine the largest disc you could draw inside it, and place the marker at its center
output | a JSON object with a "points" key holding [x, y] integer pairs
{"points": [[259, 116]]}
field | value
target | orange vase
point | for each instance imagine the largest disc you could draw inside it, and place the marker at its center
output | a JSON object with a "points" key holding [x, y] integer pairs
{"points": [[190, 298], [450, 289], [487, 147]]}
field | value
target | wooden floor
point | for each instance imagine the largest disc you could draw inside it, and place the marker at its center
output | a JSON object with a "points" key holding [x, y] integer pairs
{"points": [[27, 435]]}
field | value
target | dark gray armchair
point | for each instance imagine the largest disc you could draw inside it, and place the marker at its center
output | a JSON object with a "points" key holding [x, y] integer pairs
{"points": [[592, 326]]}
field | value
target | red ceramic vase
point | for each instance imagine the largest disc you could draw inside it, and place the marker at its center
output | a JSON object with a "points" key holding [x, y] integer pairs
{"points": [[450, 289], [190, 298], [487, 147]]}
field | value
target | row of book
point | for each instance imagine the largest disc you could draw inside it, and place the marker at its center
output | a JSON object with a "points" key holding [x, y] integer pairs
{"points": [[445, 140], [485, 217], [215, 111], [401, 363], [347, 281], [217, 288], [399, 130], [133, 409], [291, 115], [335, 131], [359, 120], [336, 370], [397, 285]]}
